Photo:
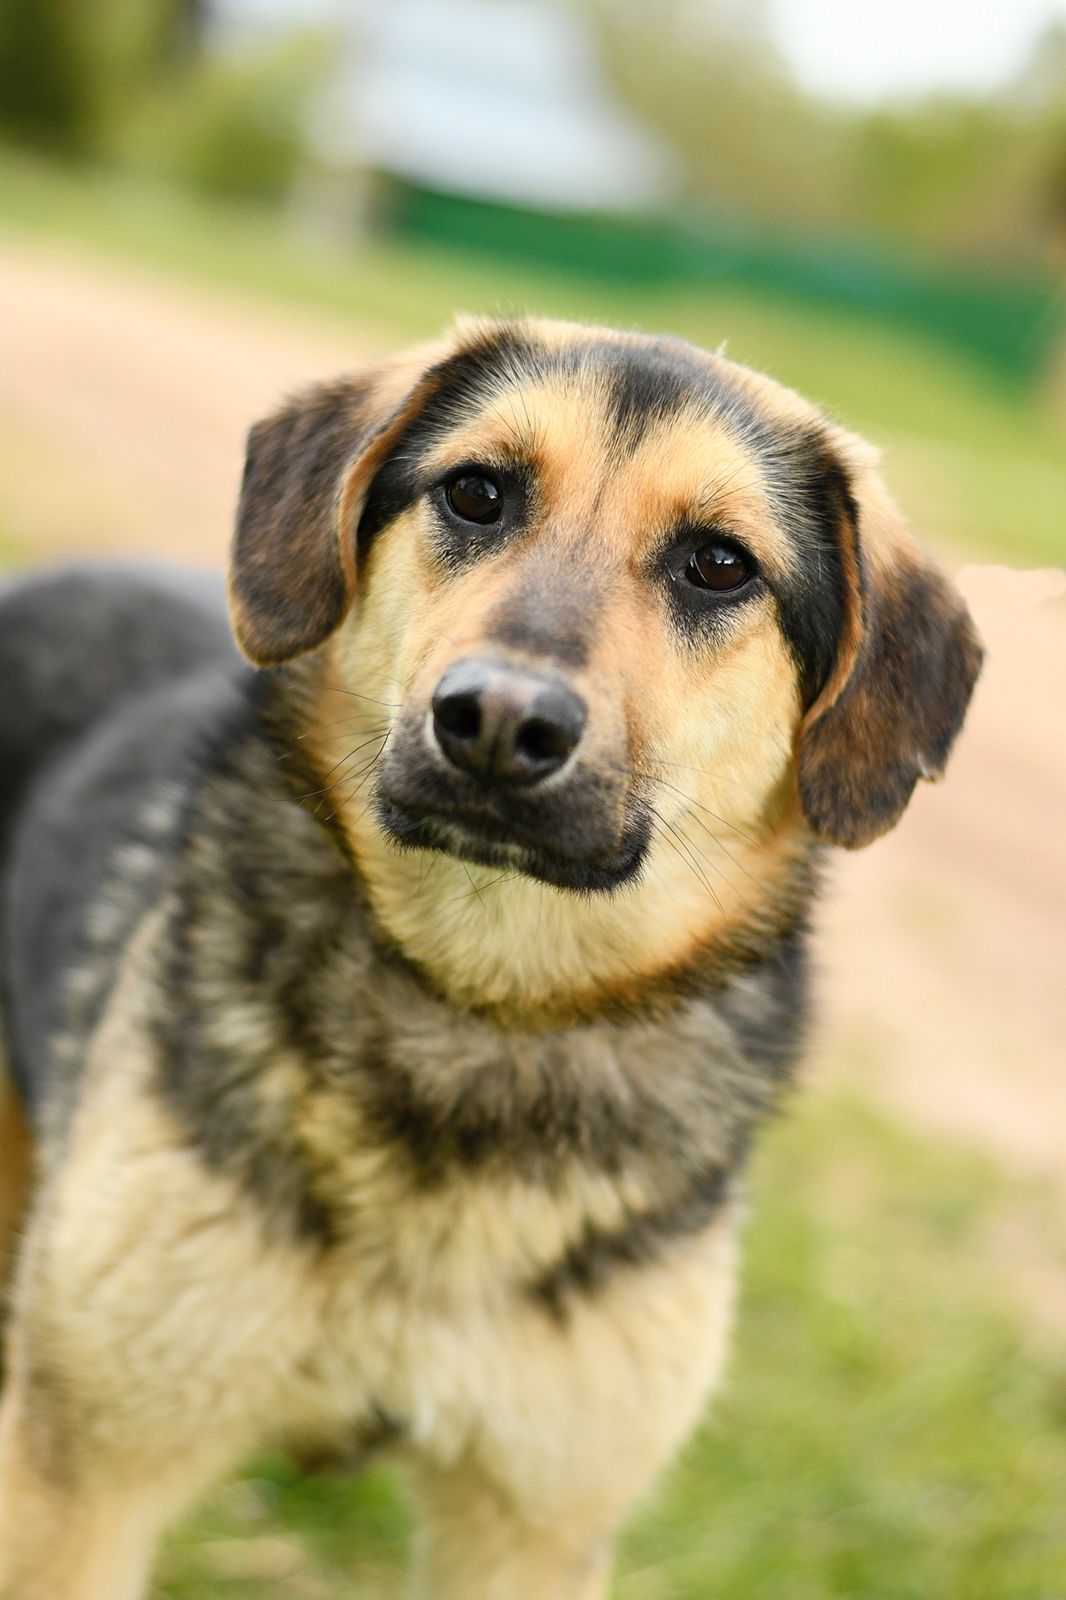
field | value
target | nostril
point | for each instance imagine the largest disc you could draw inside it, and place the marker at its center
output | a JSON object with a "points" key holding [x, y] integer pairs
{"points": [[459, 715], [539, 740]]}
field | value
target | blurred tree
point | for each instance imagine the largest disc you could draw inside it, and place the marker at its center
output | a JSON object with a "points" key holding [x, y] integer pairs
{"points": [[1042, 87], [181, 31], [132, 82], [232, 124], [707, 76], [67, 72], [977, 179], [48, 90]]}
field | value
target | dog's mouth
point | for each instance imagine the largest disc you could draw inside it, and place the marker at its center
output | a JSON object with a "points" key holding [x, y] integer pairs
{"points": [[471, 835]]}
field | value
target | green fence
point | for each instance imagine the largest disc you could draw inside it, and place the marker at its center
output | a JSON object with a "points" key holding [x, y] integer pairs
{"points": [[1009, 323]]}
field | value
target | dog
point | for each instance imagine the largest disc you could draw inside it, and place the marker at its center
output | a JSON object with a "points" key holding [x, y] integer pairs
{"points": [[392, 1005]]}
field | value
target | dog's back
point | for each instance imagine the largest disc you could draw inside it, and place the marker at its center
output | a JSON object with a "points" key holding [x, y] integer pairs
{"points": [[99, 667], [76, 643]]}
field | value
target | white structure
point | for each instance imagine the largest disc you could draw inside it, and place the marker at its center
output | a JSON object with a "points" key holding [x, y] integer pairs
{"points": [[495, 99]]}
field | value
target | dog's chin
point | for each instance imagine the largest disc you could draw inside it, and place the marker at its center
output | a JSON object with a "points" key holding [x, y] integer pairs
{"points": [[492, 846]]}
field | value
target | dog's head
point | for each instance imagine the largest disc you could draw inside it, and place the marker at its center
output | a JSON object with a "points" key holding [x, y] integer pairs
{"points": [[610, 608]]}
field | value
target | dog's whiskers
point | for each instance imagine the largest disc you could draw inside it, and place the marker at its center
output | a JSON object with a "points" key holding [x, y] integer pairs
{"points": [[390, 705], [504, 877], [703, 772], [369, 740], [725, 849], [692, 801], [340, 722], [682, 845], [470, 879], [362, 773], [721, 871], [311, 793]]}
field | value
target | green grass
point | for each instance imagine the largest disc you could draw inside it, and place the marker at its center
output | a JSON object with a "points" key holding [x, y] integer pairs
{"points": [[889, 1428], [979, 466]]}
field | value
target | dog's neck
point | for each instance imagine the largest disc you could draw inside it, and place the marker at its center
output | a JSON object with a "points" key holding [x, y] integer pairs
{"points": [[503, 943]]}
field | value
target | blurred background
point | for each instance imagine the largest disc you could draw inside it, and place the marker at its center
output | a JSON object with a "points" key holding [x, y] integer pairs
{"points": [[204, 203]]}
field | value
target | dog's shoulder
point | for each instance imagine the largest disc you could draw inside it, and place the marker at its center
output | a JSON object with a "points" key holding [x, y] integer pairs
{"points": [[119, 679]]}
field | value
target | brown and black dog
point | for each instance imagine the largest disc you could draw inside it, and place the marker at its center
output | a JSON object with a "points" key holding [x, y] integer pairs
{"points": [[394, 1019]]}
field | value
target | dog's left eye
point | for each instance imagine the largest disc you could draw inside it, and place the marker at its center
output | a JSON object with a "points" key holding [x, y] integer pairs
{"points": [[720, 567], [474, 497]]}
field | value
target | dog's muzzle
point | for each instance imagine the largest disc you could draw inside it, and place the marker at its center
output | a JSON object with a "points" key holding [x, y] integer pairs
{"points": [[501, 767]]}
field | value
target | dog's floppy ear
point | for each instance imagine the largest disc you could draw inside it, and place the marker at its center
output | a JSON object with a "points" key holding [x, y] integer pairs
{"points": [[307, 472], [906, 665]]}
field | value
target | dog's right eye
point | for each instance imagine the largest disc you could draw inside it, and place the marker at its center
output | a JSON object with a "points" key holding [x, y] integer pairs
{"points": [[474, 497]]}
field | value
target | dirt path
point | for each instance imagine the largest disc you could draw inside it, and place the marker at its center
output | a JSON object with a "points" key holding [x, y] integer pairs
{"points": [[123, 405], [945, 945]]}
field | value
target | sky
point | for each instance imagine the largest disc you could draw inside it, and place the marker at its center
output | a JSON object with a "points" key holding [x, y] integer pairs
{"points": [[870, 50], [858, 50]]}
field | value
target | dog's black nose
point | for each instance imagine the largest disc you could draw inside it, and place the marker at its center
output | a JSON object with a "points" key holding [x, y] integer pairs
{"points": [[505, 724]]}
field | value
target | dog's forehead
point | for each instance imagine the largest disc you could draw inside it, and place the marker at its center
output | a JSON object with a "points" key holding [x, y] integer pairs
{"points": [[652, 428], [547, 378], [640, 374]]}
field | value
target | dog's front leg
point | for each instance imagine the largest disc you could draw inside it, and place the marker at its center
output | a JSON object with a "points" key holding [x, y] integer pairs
{"points": [[70, 1532], [475, 1544], [148, 1330]]}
